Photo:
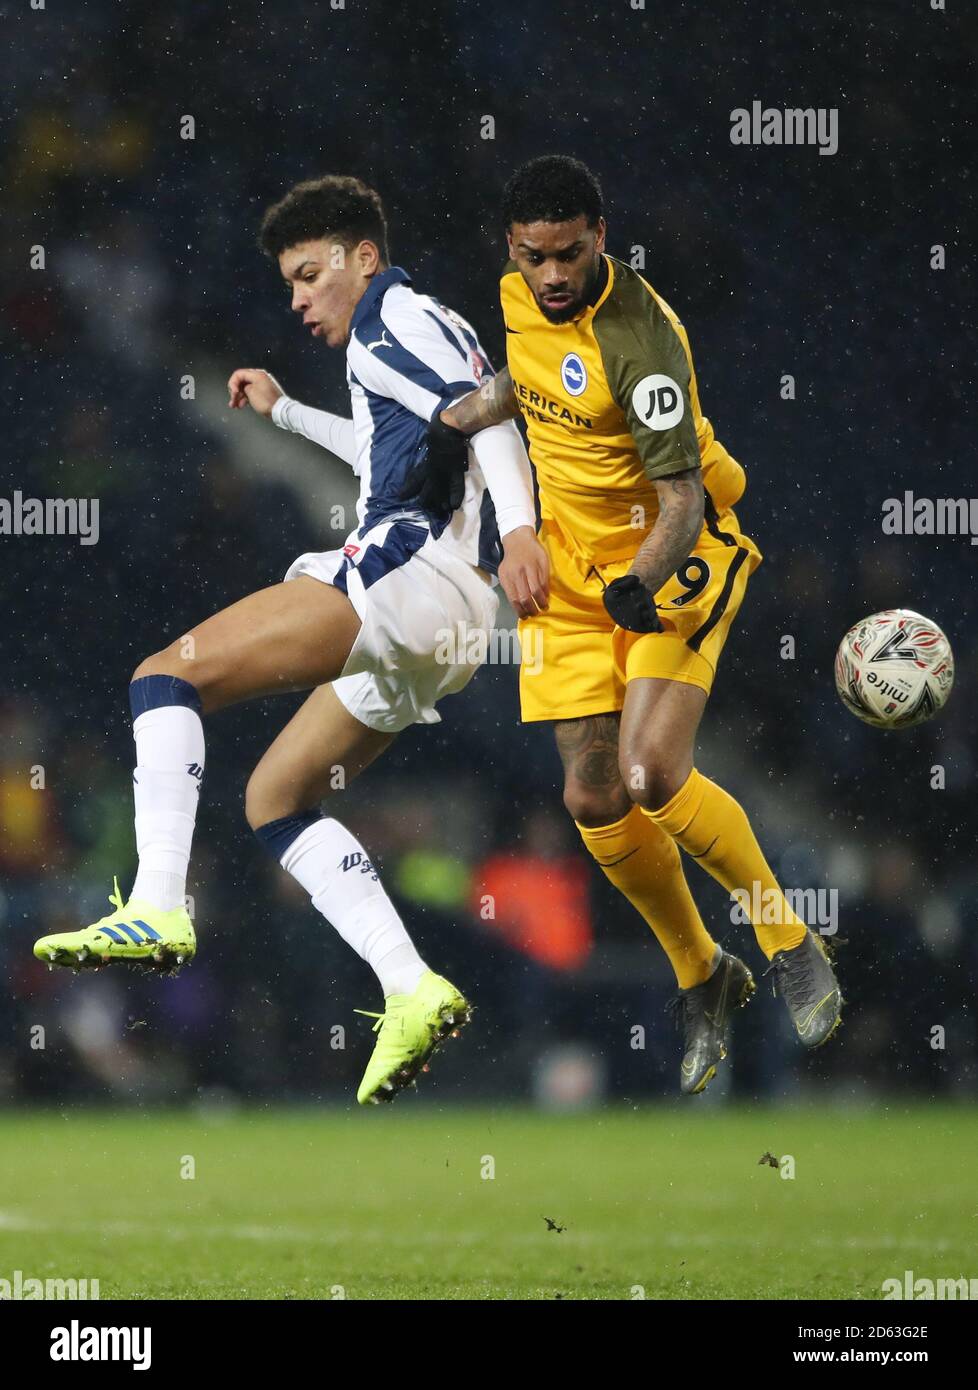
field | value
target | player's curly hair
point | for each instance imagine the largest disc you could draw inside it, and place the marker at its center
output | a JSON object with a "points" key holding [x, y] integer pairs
{"points": [[553, 188], [335, 206]]}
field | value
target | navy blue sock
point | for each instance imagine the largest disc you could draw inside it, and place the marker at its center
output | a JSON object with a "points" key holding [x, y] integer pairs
{"points": [[277, 835], [152, 692]]}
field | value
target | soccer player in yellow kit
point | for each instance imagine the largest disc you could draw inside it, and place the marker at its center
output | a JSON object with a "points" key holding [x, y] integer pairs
{"points": [[642, 570]]}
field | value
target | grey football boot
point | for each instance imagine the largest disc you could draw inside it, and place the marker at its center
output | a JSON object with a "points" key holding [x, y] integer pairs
{"points": [[703, 1013], [806, 981]]}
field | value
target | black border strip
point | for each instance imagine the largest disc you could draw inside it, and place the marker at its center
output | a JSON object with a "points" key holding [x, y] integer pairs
{"points": [[716, 612]]}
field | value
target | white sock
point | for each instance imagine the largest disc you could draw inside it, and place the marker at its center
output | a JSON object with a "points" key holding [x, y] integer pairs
{"points": [[166, 787], [336, 872]]}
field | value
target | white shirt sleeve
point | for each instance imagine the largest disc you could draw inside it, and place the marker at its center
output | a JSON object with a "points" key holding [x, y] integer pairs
{"points": [[500, 453], [333, 432]]}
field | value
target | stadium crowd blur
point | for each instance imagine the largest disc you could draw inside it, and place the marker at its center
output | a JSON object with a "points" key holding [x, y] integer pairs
{"points": [[780, 262]]}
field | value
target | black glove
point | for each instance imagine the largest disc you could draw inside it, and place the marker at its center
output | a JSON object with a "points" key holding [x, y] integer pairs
{"points": [[437, 480], [631, 605]]}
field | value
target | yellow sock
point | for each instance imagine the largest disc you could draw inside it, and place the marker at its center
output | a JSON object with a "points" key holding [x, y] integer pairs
{"points": [[643, 863], [712, 827]]}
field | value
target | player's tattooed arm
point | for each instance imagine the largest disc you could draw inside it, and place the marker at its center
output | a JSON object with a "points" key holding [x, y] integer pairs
{"points": [[438, 480], [630, 600], [676, 528], [491, 404]]}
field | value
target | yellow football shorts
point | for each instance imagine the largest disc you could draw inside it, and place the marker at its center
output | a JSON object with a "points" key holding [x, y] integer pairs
{"points": [[576, 661]]}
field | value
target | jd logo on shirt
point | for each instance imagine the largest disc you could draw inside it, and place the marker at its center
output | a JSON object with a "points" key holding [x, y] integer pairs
{"points": [[573, 375], [658, 402]]}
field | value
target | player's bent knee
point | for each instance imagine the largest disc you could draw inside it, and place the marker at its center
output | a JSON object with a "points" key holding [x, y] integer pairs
{"points": [[261, 805], [168, 662], [592, 806], [151, 666], [267, 799], [651, 785]]}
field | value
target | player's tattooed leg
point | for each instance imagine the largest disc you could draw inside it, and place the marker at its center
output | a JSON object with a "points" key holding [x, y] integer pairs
{"points": [[594, 793]]}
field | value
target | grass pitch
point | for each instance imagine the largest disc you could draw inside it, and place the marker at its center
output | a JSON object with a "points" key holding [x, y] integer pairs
{"points": [[394, 1204]]}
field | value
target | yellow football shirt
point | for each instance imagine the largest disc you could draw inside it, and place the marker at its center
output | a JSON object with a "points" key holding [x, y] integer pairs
{"points": [[610, 403]]}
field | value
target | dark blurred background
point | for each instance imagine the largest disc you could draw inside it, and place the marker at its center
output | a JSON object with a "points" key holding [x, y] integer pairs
{"points": [[779, 260]]}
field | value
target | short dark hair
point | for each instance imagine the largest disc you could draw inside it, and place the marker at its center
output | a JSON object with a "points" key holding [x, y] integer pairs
{"points": [[335, 205], [553, 188]]}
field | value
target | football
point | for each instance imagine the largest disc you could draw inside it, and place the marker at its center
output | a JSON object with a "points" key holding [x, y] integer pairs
{"points": [[894, 669]]}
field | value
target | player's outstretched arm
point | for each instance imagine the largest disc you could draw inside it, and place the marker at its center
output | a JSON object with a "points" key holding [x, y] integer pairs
{"points": [[630, 600], [491, 404], [254, 387], [260, 390]]}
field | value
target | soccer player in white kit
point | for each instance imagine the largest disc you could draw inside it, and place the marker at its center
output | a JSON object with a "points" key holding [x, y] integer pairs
{"points": [[364, 626]]}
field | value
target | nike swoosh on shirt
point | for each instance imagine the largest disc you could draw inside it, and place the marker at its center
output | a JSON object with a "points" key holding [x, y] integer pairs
{"points": [[512, 330]]}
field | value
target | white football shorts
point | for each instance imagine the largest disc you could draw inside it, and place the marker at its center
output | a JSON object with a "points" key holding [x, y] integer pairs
{"points": [[417, 601]]}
